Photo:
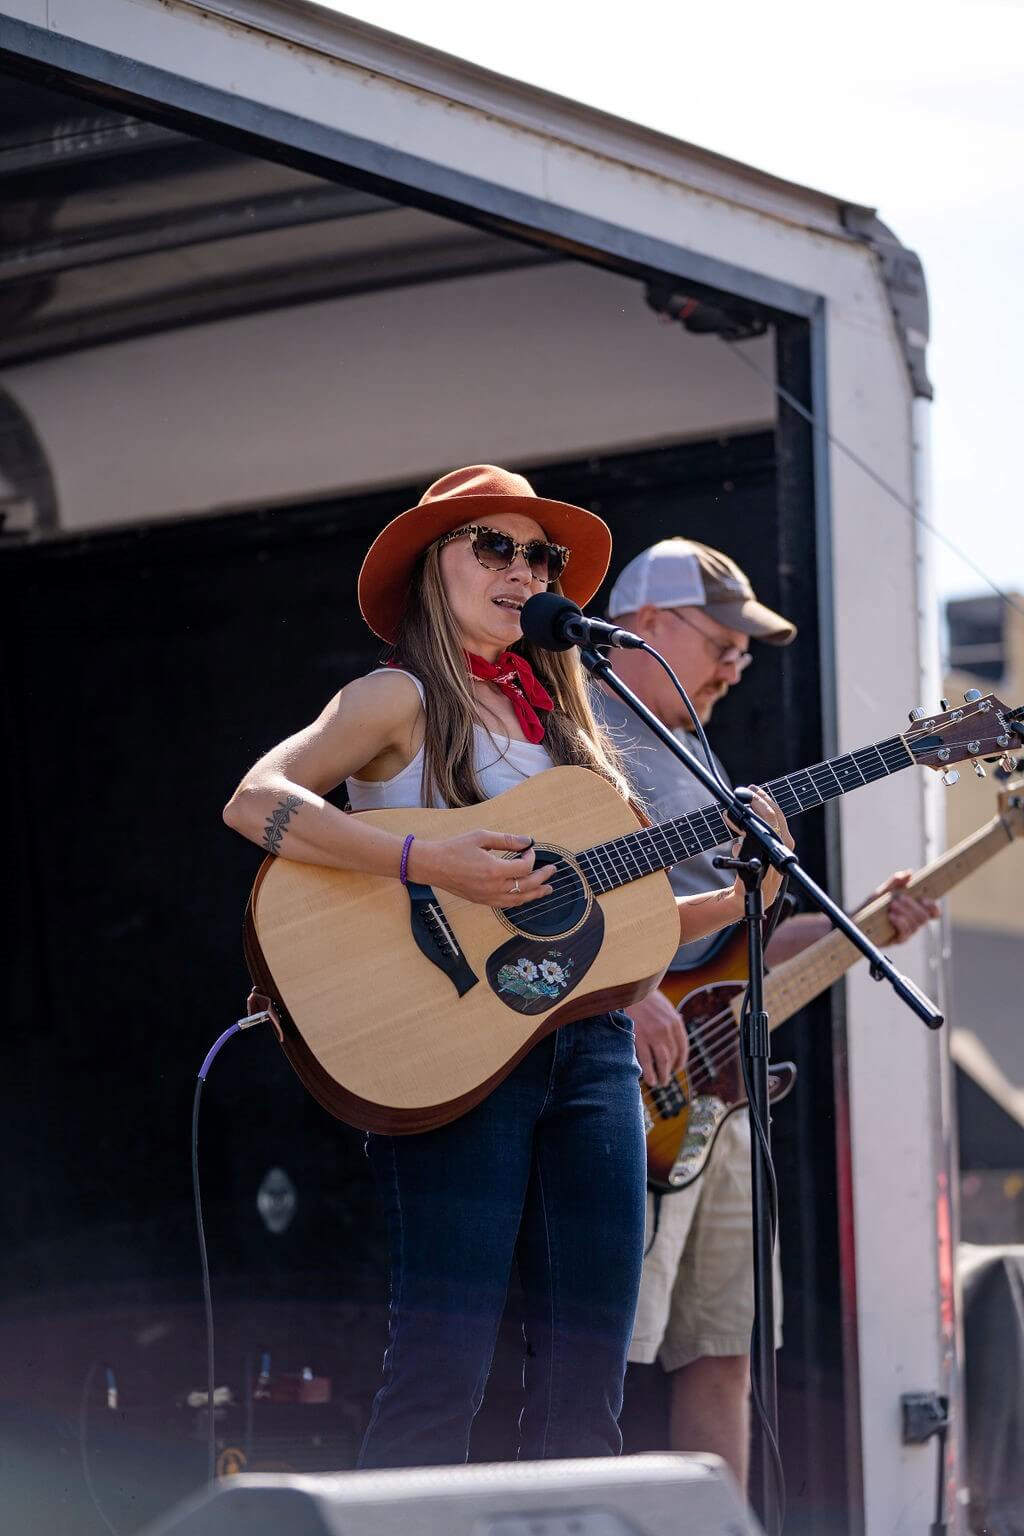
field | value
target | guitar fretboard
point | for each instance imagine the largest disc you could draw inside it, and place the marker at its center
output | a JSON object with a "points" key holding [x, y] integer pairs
{"points": [[609, 865]]}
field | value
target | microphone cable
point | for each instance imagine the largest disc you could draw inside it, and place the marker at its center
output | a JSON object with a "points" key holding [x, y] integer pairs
{"points": [[83, 1437], [767, 1433], [264, 1016], [698, 728]]}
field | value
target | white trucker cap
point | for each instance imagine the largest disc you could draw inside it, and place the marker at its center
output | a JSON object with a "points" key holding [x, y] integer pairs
{"points": [[680, 573]]}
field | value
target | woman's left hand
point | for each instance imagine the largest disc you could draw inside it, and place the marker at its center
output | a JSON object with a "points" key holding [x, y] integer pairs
{"points": [[764, 806]]}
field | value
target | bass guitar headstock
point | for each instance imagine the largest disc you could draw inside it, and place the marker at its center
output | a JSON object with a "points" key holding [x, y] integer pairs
{"points": [[982, 728]]}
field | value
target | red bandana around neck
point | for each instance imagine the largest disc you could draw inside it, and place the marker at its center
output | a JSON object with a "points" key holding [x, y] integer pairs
{"points": [[514, 676]]}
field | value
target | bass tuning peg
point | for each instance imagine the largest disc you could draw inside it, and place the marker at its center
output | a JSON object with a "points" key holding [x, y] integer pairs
{"points": [[917, 714], [979, 769], [943, 703], [972, 695], [950, 777]]}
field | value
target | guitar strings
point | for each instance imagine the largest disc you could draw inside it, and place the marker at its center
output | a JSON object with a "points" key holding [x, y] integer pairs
{"points": [[722, 1037], [724, 1031], [715, 1057], [710, 1068], [564, 883], [719, 1046], [564, 879]]}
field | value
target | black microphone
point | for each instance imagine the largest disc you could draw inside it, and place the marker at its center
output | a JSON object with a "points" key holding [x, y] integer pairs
{"points": [[556, 624]]}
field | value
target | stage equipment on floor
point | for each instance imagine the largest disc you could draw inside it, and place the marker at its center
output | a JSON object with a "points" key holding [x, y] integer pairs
{"points": [[653, 1495]]}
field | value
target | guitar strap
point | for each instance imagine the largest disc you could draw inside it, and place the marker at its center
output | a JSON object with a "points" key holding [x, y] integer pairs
{"points": [[658, 1197]]}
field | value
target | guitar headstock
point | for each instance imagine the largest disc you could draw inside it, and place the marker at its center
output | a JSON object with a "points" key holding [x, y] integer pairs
{"points": [[982, 727], [1011, 805]]}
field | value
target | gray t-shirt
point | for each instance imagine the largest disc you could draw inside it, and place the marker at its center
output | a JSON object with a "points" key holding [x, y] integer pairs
{"points": [[667, 791]]}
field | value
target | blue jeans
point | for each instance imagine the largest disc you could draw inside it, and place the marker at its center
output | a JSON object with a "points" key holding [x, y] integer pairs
{"points": [[548, 1171]]}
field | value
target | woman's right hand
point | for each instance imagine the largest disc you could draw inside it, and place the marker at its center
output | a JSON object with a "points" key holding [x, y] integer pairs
{"points": [[481, 866]]}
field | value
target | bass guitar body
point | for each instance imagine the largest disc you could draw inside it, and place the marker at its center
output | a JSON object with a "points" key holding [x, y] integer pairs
{"points": [[402, 1009], [682, 1120]]}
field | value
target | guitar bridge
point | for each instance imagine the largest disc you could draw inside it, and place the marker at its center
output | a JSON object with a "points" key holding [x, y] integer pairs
{"points": [[435, 939]]}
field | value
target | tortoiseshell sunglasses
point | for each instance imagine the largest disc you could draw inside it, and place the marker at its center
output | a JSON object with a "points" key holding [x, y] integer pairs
{"points": [[495, 551]]}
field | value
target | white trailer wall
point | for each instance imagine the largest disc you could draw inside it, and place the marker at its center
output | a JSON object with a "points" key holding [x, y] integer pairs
{"points": [[516, 367]]}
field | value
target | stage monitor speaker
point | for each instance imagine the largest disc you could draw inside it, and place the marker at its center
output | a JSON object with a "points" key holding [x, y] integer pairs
{"points": [[651, 1495]]}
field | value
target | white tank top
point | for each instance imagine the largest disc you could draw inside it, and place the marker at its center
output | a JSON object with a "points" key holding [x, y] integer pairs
{"points": [[500, 763]]}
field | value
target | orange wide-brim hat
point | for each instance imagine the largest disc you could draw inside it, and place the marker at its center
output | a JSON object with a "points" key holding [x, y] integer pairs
{"points": [[472, 495]]}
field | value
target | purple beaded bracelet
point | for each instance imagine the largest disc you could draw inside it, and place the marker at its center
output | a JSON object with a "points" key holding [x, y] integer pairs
{"points": [[403, 871]]}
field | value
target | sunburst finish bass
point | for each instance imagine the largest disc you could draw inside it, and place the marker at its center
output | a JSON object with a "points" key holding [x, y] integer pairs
{"points": [[683, 1117], [403, 1008]]}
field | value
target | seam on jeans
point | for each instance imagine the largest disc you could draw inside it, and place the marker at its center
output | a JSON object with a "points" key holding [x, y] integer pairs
{"points": [[395, 1306], [551, 1075], [484, 1376], [551, 1319]]}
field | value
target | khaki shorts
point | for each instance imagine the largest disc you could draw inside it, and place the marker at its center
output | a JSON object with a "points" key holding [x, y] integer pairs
{"points": [[697, 1291]]}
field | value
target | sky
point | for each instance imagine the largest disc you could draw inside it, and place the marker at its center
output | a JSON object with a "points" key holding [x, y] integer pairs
{"points": [[916, 109]]}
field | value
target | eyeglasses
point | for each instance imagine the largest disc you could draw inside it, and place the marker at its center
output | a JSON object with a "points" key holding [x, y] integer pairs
{"points": [[496, 551], [726, 655]]}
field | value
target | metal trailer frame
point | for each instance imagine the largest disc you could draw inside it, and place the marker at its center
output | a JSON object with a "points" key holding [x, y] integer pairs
{"points": [[112, 47]]}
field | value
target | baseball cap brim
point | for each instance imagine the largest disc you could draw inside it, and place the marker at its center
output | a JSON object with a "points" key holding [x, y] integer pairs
{"points": [[752, 618]]}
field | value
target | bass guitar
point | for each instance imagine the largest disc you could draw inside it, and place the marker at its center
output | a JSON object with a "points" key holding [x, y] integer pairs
{"points": [[683, 1118], [401, 1008]]}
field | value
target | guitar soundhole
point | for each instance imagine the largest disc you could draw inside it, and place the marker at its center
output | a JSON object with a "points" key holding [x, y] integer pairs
{"points": [[563, 910]]}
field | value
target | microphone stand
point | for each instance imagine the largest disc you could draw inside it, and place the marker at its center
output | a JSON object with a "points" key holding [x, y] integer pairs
{"points": [[755, 1029]]}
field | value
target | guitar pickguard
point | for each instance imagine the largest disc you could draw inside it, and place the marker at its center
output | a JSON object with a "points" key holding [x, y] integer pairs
{"points": [[532, 975]]}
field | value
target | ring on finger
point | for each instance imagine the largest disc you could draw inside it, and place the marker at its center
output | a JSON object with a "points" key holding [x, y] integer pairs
{"points": [[515, 888]]}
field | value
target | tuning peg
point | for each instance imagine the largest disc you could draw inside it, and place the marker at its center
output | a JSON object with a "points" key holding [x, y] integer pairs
{"points": [[918, 713], [972, 695], [1007, 763], [979, 769], [950, 777], [943, 703]]}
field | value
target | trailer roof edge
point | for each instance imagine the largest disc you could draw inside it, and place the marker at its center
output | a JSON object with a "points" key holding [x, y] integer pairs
{"points": [[310, 24]]}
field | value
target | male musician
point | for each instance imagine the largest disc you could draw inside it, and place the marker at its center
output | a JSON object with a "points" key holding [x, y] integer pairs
{"points": [[695, 605]]}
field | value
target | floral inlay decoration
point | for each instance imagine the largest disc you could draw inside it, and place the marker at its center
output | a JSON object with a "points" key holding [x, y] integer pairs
{"points": [[534, 980]]}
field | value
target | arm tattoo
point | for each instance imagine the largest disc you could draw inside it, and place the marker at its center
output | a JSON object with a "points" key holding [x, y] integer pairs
{"points": [[277, 821]]}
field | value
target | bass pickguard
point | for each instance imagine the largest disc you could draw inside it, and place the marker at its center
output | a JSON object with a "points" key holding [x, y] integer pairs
{"points": [[531, 975], [706, 1113], [683, 1118]]}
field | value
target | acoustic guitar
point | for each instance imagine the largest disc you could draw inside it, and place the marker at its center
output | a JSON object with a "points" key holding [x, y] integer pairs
{"points": [[683, 1117], [402, 1008]]}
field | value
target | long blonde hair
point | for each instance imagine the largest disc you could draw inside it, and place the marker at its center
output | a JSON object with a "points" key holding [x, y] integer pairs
{"points": [[429, 644]]}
